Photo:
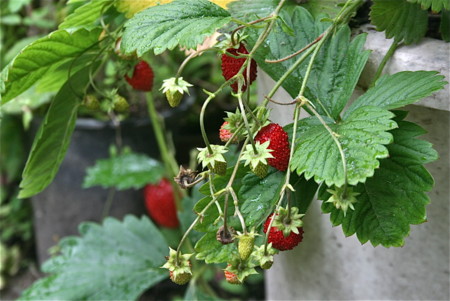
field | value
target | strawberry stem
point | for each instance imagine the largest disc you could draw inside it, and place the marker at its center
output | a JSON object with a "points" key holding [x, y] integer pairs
{"points": [[167, 157]]}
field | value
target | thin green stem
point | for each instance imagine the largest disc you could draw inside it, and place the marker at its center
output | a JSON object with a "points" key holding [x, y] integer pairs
{"points": [[168, 158], [185, 235], [236, 209], [384, 61], [202, 123], [247, 125]]}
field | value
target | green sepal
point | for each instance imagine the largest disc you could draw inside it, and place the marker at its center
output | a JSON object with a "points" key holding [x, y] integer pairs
{"points": [[291, 225], [342, 198], [180, 266]]}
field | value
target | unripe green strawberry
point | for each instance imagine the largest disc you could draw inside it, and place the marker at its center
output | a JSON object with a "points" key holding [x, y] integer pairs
{"points": [[261, 170], [245, 245], [180, 279], [219, 168], [120, 104], [267, 265], [257, 160], [264, 255], [91, 102], [212, 157], [174, 89], [179, 267]]}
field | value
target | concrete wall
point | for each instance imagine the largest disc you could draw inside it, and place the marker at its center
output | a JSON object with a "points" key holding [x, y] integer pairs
{"points": [[329, 266]]}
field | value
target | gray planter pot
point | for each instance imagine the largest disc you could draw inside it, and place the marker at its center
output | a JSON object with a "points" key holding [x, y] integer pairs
{"points": [[327, 265], [63, 205]]}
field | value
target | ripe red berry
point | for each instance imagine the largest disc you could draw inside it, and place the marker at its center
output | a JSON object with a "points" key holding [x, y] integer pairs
{"points": [[279, 143], [231, 66], [226, 134], [281, 242], [160, 204], [142, 78], [231, 277]]}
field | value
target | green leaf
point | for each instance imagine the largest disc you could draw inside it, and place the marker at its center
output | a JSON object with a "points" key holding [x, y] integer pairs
{"points": [[182, 23], [328, 7], [445, 25], [39, 57], [212, 251], [53, 138], [436, 5], [395, 196], [250, 10], [337, 67], [113, 261], [400, 89], [336, 72], [86, 15], [362, 136], [400, 19], [125, 171], [259, 196], [12, 147]]}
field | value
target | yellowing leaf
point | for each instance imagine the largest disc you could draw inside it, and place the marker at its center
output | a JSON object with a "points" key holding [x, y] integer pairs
{"points": [[131, 7]]}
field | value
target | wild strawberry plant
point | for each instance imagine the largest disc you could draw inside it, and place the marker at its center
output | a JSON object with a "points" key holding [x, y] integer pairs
{"points": [[246, 202]]}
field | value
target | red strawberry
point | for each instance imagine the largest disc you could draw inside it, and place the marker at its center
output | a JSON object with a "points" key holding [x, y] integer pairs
{"points": [[226, 134], [279, 143], [160, 204], [281, 242], [231, 66], [142, 78], [231, 277]]}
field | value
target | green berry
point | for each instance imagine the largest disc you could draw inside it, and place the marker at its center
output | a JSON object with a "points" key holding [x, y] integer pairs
{"points": [[219, 168], [245, 246], [120, 104]]}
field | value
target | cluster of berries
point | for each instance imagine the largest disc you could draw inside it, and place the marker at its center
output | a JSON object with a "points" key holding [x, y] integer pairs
{"points": [[269, 147]]}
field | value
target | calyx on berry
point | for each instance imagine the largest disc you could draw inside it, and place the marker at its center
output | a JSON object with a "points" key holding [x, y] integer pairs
{"points": [[342, 198], [174, 88], [257, 161], [265, 256], [288, 223], [238, 270], [185, 177], [215, 161], [180, 269], [225, 237]]}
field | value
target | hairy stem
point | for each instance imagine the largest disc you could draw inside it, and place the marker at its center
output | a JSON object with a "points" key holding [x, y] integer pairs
{"points": [[384, 61]]}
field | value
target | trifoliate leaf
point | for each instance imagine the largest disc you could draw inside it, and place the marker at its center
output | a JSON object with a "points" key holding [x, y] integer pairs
{"points": [[362, 136], [401, 20], [400, 89], [337, 66], [182, 23], [124, 172], [33, 62], [113, 261], [436, 5], [395, 197]]}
